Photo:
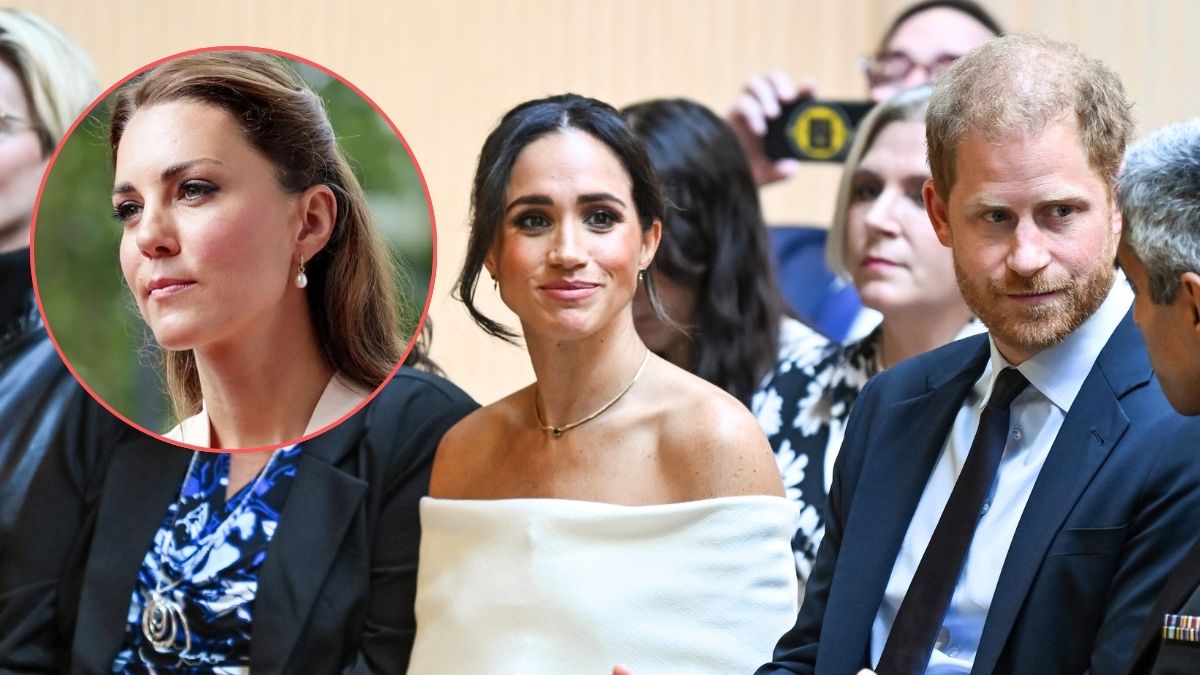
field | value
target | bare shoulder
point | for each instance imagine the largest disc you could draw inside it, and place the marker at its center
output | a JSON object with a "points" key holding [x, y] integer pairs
{"points": [[715, 441], [466, 449]]}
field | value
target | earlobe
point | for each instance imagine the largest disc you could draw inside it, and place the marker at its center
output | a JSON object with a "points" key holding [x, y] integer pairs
{"points": [[650, 241], [936, 209], [490, 265], [318, 214]]}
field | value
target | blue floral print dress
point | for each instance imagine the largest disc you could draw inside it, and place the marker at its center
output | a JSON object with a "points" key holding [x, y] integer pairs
{"points": [[192, 607]]}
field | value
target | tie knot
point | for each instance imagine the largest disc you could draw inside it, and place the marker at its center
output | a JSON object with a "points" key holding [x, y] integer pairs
{"points": [[1009, 383]]}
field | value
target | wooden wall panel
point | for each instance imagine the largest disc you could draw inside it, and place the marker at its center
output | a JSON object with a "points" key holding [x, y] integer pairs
{"points": [[446, 70]]}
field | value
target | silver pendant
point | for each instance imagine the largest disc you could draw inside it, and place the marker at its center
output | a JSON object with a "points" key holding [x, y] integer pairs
{"points": [[163, 621]]}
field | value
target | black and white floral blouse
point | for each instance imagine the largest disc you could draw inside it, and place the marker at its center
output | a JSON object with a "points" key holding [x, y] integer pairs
{"points": [[803, 409]]}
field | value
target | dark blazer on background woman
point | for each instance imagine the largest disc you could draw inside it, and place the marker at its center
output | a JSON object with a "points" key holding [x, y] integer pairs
{"points": [[335, 593]]}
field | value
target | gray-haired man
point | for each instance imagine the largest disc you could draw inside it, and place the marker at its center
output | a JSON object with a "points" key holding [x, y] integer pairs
{"points": [[1159, 192]]}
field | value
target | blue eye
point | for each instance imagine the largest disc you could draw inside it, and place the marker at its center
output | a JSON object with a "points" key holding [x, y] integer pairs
{"points": [[1062, 211], [194, 190], [126, 211]]}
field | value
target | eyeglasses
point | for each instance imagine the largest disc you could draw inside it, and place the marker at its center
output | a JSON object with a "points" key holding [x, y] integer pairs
{"points": [[10, 123], [895, 67]]}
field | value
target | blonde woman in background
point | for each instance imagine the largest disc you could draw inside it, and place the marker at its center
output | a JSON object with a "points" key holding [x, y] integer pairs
{"points": [[46, 80]]}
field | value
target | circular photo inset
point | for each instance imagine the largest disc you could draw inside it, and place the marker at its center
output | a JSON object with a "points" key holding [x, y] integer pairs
{"points": [[233, 248]]}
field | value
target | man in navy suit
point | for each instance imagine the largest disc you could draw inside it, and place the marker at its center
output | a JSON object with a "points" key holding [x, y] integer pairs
{"points": [[1069, 533], [1159, 190]]}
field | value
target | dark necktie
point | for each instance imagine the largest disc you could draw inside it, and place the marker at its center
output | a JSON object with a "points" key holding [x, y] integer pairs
{"points": [[924, 607]]}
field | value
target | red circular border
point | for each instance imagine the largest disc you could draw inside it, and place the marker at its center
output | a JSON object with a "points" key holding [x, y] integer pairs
{"points": [[428, 205]]}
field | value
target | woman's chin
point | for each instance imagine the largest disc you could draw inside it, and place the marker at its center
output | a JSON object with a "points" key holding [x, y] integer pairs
{"points": [[174, 338]]}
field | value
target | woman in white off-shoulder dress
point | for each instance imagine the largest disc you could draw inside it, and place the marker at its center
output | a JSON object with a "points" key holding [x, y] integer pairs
{"points": [[618, 509]]}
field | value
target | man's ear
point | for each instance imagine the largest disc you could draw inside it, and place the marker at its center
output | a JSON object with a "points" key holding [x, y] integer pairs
{"points": [[937, 210], [1189, 288], [1117, 218], [318, 211]]}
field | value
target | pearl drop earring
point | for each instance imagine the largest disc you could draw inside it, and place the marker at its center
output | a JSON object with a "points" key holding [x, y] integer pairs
{"points": [[301, 279]]}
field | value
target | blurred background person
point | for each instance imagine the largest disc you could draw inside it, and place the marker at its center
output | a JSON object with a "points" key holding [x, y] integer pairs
{"points": [[712, 271], [921, 42], [881, 239], [46, 80], [618, 509], [1159, 193]]}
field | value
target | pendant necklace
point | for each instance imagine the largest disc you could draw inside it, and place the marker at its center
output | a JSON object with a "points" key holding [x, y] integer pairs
{"points": [[163, 618], [557, 431]]}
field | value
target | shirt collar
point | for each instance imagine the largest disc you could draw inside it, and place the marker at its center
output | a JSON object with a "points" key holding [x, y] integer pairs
{"points": [[1058, 371]]}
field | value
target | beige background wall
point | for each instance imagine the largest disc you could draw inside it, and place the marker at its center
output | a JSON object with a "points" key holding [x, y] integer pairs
{"points": [[445, 70]]}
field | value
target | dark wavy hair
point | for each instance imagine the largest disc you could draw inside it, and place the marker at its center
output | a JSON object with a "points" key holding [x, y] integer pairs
{"points": [[351, 291], [715, 241], [518, 128]]}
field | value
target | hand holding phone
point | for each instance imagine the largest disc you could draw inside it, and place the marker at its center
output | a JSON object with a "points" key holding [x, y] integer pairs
{"points": [[762, 99], [814, 130]]}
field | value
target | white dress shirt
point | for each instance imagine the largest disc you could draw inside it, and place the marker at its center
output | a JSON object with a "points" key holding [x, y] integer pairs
{"points": [[1055, 375]]}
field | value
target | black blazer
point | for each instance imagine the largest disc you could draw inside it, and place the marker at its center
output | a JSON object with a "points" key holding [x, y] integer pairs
{"points": [[1103, 528], [335, 592]]}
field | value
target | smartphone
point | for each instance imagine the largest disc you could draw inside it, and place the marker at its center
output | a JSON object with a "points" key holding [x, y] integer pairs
{"points": [[814, 130]]}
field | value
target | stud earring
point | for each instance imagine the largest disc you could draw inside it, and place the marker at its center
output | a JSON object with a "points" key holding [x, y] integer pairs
{"points": [[301, 278], [641, 276]]}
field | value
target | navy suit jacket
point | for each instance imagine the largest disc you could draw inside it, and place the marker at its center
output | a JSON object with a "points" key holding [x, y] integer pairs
{"points": [[1107, 520], [1180, 595]]}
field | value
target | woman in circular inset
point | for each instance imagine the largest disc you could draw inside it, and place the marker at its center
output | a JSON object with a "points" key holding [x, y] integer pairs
{"points": [[250, 251], [249, 248], [619, 509], [713, 269], [881, 239]]}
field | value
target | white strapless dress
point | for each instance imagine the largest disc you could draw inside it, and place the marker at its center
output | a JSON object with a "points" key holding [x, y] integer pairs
{"points": [[531, 586]]}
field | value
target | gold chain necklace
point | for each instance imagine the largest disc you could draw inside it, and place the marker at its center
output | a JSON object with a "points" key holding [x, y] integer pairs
{"points": [[559, 431]]}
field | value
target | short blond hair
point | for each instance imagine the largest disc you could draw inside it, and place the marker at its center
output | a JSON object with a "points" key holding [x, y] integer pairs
{"points": [[1020, 84], [57, 76]]}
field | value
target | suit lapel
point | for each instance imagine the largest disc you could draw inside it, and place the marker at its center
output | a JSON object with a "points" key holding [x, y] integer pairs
{"points": [[912, 435], [320, 508], [143, 478], [1090, 431]]}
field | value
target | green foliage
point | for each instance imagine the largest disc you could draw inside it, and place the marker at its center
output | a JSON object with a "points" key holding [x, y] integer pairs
{"points": [[88, 308]]}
